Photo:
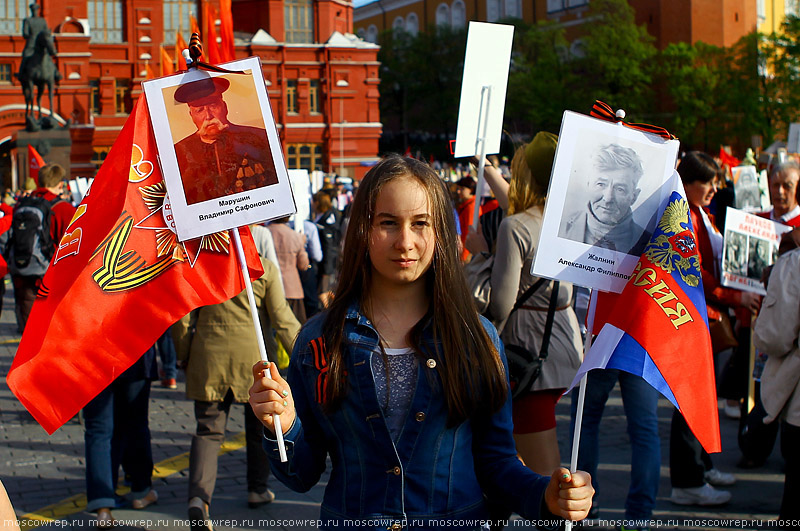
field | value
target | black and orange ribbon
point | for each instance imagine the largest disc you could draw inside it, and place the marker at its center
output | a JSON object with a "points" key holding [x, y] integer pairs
{"points": [[196, 53], [321, 364], [603, 111]]}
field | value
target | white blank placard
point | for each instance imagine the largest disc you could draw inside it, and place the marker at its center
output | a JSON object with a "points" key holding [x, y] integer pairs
{"points": [[486, 63]]}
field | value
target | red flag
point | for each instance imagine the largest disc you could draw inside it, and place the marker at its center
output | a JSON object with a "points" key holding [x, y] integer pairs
{"points": [[118, 280], [227, 50], [730, 160], [167, 66], [35, 163], [149, 71], [195, 26], [180, 46], [212, 46]]}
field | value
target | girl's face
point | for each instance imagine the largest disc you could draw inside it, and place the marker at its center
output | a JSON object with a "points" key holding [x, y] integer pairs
{"points": [[401, 241], [700, 194]]}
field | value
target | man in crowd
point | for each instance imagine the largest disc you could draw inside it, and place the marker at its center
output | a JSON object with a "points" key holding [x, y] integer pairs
{"points": [[606, 220], [465, 199], [28, 252], [783, 192], [220, 158]]}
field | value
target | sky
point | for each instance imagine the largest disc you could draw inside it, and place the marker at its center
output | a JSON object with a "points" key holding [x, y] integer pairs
{"points": [[359, 3]]}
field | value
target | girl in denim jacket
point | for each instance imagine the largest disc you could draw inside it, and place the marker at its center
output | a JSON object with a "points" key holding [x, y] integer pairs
{"points": [[403, 384]]}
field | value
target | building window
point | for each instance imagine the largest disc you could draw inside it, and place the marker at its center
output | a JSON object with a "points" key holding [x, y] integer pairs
{"points": [[372, 33], [99, 154], [304, 156], [398, 25], [12, 12], [443, 15], [412, 24], [313, 96], [176, 19], [299, 20], [459, 12], [5, 73], [291, 96], [105, 20], [560, 5], [122, 92], [94, 96]]}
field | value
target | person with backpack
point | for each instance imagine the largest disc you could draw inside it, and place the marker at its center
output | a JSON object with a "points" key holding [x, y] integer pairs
{"points": [[37, 225]]}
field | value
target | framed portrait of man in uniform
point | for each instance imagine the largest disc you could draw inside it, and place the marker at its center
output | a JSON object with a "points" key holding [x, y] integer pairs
{"points": [[218, 147], [606, 186]]}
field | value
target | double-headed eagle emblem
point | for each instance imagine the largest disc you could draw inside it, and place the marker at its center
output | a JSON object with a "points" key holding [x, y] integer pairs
{"points": [[676, 248]]}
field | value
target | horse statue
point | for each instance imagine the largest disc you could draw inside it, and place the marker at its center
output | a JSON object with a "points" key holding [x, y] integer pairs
{"points": [[39, 70]]}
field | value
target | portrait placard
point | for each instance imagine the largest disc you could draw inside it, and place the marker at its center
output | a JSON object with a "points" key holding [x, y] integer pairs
{"points": [[746, 188], [218, 148], [751, 245], [606, 186]]}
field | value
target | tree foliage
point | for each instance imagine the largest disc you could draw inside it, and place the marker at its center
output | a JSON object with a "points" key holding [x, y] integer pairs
{"points": [[706, 95]]}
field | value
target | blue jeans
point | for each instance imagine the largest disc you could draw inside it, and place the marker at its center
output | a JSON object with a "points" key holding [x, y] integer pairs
{"points": [[169, 358], [117, 432], [640, 401]]}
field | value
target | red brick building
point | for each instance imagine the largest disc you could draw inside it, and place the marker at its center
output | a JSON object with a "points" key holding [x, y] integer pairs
{"points": [[322, 80]]}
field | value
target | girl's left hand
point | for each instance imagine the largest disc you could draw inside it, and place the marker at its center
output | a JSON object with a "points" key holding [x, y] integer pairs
{"points": [[569, 495]]}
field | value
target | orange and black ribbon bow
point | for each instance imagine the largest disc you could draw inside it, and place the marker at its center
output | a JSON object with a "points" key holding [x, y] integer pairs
{"points": [[196, 53], [603, 111]]}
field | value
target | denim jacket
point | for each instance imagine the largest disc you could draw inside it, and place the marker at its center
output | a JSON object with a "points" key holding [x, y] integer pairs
{"points": [[433, 472]]}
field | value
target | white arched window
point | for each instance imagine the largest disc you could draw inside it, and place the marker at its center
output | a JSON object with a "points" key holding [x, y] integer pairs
{"points": [[443, 15], [372, 33], [398, 25], [459, 14], [412, 24]]}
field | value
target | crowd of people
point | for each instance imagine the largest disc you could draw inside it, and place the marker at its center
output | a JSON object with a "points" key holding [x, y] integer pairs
{"points": [[416, 338]]}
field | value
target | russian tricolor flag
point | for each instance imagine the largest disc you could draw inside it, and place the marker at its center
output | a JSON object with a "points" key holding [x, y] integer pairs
{"points": [[657, 328]]}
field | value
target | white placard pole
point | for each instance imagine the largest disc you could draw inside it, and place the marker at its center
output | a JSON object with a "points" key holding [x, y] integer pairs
{"points": [[262, 349], [576, 435], [480, 138]]}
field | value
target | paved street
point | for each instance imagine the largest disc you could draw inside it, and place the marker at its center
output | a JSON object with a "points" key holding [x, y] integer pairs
{"points": [[44, 474]]}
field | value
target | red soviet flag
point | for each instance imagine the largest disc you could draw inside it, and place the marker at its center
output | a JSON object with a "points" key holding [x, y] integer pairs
{"points": [[35, 163], [227, 49], [118, 280]]}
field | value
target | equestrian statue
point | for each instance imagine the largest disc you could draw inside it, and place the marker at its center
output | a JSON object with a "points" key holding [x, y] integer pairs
{"points": [[37, 67]]}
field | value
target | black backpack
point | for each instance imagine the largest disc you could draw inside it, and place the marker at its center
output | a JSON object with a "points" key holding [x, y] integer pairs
{"points": [[330, 238], [30, 247]]}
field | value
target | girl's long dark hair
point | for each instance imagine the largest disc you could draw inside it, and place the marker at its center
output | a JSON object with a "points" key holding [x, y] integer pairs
{"points": [[472, 374]]}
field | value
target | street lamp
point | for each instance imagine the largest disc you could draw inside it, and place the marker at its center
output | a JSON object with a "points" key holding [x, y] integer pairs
{"points": [[342, 83]]}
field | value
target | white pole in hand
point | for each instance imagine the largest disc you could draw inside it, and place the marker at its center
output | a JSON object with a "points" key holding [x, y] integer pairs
{"points": [[262, 349], [576, 436], [481, 139]]}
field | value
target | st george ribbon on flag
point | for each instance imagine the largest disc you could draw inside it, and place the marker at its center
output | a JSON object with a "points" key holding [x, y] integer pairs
{"points": [[657, 328], [118, 280]]}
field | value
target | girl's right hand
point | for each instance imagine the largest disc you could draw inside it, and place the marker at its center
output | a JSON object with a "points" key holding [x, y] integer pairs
{"points": [[269, 396]]}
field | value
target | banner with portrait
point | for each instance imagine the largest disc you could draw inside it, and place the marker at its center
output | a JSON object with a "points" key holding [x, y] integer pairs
{"points": [[219, 149], [751, 245], [605, 189], [750, 189]]}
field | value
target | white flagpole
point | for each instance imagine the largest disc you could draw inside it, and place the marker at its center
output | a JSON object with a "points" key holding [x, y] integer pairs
{"points": [[262, 349], [481, 139], [576, 436]]}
